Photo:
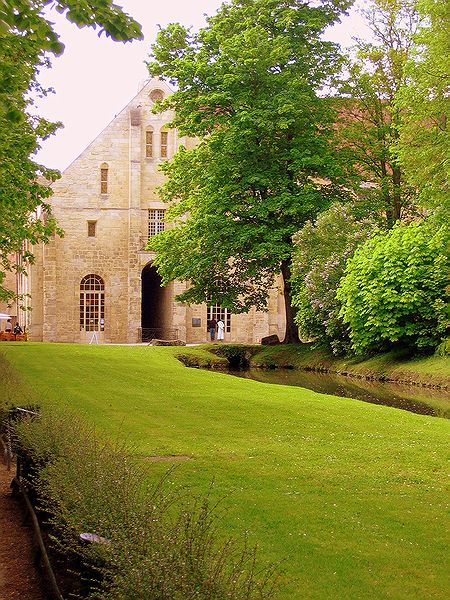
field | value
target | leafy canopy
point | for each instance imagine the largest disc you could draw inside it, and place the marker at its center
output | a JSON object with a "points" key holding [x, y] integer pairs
{"points": [[371, 117], [424, 100], [247, 88]]}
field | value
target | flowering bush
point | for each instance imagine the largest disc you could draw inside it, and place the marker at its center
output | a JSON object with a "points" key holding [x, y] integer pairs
{"points": [[394, 289], [322, 250]]}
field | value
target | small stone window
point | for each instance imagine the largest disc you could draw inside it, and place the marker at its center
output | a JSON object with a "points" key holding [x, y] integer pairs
{"points": [[156, 95], [149, 143], [155, 221], [104, 179], [164, 143], [92, 228]]}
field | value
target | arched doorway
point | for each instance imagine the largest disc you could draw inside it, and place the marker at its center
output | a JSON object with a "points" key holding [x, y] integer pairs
{"points": [[156, 307]]}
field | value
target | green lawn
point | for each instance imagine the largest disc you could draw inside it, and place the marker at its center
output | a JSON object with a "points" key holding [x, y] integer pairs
{"points": [[349, 496]]}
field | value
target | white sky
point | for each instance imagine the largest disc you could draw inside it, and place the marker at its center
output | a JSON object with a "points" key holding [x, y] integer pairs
{"points": [[95, 78]]}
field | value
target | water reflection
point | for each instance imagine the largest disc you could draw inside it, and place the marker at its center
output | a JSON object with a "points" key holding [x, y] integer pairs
{"points": [[416, 399]]}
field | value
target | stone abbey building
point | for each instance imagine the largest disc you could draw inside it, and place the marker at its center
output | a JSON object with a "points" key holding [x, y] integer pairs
{"points": [[99, 277]]}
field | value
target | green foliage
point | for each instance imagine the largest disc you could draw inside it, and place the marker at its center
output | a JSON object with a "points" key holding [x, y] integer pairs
{"points": [[27, 39], [444, 348], [322, 250], [26, 16], [247, 87], [370, 117], [424, 142], [23, 183], [162, 542], [394, 289]]}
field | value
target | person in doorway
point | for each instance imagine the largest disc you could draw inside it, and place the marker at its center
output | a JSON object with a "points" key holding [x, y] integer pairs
{"points": [[220, 329], [8, 326], [212, 329]]}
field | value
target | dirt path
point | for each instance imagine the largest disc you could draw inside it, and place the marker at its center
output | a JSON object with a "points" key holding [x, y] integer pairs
{"points": [[18, 577]]}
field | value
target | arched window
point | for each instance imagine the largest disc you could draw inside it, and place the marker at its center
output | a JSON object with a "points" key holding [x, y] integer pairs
{"points": [[92, 303], [149, 143], [164, 144], [104, 178]]}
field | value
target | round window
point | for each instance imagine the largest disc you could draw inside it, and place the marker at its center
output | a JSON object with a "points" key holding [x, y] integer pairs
{"points": [[156, 95]]}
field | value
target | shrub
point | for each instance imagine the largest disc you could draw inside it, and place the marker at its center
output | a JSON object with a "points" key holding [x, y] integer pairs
{"points": [[444, 348], [394, 289], [162, 544], [321, 253]]}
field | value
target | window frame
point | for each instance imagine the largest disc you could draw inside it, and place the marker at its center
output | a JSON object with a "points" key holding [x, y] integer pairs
{"points": [[91, 224], [156, 95], [164, 145], [156, 224], [104, 177], [218, 312], [92, 303], [149, 143]]}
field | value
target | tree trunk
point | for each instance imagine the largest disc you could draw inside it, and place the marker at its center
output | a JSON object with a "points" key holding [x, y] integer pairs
{"points": [[291, 336], [396, 194], [393, 198]]}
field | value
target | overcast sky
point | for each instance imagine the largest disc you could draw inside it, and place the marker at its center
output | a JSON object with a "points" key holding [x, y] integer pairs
{"points": [[95, 78]]}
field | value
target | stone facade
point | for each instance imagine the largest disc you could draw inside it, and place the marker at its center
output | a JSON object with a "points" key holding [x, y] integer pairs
{"points": [[103, 202]]}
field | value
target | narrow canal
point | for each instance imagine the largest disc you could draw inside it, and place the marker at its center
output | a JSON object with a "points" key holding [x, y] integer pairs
{"points": [[418, 399]]}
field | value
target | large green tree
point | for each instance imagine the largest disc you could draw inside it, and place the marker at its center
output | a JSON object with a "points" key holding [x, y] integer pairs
{"points": [[27, 39], [371, 117], [247, 86], [424, 144]]}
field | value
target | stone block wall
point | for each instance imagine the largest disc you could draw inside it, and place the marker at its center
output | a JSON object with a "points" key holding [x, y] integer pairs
{"points": [[116, 252]]}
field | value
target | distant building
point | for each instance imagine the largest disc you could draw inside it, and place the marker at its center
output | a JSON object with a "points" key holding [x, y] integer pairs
{"points": [[99, 277]]}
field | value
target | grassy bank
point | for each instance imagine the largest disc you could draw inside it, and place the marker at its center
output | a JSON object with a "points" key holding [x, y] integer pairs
{"points": [[349, 496], [391, 366]]}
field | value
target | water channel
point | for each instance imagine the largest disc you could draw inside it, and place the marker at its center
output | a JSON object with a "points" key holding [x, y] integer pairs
{"points": [[418, 399]]}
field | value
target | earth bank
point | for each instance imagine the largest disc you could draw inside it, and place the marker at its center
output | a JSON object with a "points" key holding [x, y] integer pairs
{"points": [[395, 366]]}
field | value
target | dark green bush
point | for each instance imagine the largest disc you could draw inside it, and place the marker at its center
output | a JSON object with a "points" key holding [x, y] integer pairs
{"points": [[201, 358]]}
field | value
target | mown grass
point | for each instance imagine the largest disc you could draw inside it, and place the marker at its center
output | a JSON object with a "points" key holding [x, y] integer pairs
{"points": [[350, 497]]}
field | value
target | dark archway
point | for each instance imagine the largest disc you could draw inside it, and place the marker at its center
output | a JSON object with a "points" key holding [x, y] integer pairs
{"points": [[156, 306]]}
